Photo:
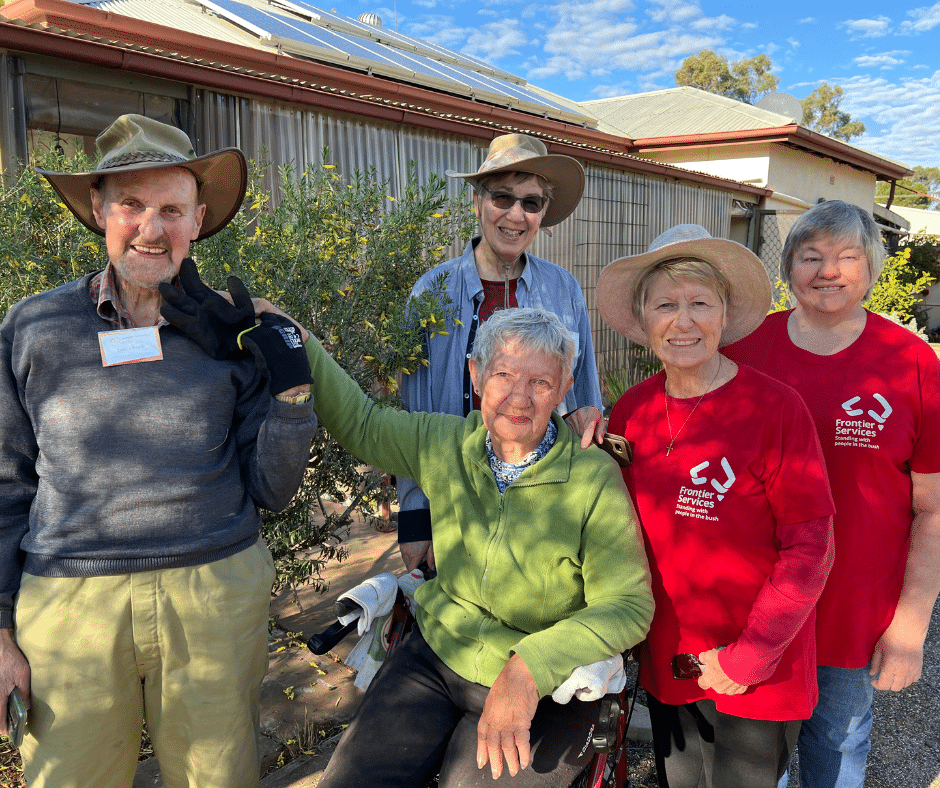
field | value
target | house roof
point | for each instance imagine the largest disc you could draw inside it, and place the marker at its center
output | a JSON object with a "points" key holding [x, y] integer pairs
{"points": [[679, 111], [687, 117], [82, 34]]}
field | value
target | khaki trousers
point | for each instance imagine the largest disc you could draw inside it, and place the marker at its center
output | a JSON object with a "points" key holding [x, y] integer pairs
{"points": [[185, 649]]}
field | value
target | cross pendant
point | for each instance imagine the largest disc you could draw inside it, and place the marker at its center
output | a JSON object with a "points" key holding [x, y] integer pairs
{"points": [[668, 449]]}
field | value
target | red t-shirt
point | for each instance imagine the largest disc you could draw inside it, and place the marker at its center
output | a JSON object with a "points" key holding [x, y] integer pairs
{"points": [[495, 296], [876, 405], [739, 537]]}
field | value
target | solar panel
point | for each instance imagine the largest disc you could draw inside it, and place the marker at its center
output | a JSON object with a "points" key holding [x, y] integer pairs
{"points": [[402, 40], [301, 29], [310, 33]]}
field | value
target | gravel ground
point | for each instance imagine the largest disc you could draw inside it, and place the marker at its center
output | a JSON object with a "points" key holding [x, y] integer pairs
{"points": [[905, 737], [905, 750]]}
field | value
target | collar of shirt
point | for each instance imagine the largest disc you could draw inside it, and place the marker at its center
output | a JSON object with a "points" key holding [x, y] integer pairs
{"points": [[506, 472], [104, 292], [472, 277]]}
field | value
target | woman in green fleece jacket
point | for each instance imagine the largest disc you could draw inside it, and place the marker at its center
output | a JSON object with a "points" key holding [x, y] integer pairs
{"points": [[541, 569]]}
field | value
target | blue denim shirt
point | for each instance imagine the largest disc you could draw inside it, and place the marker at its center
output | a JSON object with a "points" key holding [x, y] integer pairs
{"points": [[444, 385]]}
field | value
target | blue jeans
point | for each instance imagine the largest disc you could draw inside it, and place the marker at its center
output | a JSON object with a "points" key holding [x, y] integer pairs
{"points": [[833, 743]]}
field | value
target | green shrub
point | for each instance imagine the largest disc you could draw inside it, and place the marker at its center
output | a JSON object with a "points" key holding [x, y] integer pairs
{"points": [[42, 245], [900, 287]]}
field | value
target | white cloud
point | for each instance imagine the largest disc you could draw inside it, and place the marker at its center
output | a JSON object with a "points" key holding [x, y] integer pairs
{"points": [[496, 40], [673, 12], [868, 28], [901, 116], [884, 61], [645, 83], [387, 15], [598, 38], [924, 19], [723, 22], [612, 91], [601, 56], [806, 20], [442, 30]]}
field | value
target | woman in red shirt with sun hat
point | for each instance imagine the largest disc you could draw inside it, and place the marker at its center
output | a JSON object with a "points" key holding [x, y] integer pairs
{"points": [[730, 486]]}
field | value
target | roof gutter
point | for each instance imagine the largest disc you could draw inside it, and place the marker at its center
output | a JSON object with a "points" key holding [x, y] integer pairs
{"points": [[791, 134], [232, 68]]}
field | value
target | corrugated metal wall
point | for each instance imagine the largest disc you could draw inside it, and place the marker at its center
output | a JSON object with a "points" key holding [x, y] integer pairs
{"points": [[13, 116], [620, 214]]}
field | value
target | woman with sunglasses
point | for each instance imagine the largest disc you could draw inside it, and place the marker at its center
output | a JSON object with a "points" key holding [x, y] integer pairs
{"points": [[518, 189], [731, 489]]}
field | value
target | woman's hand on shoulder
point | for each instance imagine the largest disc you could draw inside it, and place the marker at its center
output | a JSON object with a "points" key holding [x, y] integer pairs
{"points": [[588, 423], [262, 305], [714, 678]]}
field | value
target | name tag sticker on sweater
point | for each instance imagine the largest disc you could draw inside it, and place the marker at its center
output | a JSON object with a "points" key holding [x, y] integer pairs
{"points": [[130, 346]]}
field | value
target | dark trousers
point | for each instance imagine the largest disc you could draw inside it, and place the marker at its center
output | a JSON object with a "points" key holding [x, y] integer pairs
{"points": [[418, 717], [697, 746]]}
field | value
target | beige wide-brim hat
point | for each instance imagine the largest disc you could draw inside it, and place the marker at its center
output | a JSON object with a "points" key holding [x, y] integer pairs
{"points": [[750, 297], [522, 153], [133, 143]]}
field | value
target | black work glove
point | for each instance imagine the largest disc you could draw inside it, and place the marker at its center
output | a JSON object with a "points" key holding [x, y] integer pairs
{"points": [[209, 319], [279, 352]]}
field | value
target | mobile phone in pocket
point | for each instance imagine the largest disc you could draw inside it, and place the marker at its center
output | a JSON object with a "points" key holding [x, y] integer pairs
{"points": [[16, 717]]}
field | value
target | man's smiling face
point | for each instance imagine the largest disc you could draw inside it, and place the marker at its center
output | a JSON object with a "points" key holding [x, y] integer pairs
{"points": [[149, 218]]}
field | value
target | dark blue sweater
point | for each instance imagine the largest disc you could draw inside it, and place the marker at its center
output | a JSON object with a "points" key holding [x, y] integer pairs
{"points": [[111, 470]]}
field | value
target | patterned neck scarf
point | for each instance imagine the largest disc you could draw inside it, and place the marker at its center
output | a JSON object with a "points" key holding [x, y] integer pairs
{"points": [[506, 472]]}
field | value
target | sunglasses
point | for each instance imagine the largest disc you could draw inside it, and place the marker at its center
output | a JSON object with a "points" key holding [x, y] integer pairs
{"points": [[686, 666], [531, 203]]}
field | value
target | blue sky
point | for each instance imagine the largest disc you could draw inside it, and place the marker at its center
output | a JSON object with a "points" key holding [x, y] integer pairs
{"points": [[886, 56]]}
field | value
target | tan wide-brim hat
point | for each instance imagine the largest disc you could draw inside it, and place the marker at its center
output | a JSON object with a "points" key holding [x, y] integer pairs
{"points": [[522, 153], [750, 298], [133, 143]]}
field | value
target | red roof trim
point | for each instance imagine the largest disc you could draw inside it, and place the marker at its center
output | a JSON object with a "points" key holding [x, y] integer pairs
{"points": [[791, 134]]}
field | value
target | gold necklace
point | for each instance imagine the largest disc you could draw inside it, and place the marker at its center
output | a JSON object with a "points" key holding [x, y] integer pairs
{"points": [[672, 438]]}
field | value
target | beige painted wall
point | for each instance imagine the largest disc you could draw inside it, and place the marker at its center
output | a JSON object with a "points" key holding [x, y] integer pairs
{"points": [[794, 173], [742, 163], [813, 178]]}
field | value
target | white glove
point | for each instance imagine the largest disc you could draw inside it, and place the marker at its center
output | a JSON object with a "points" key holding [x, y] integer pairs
{"points": [[592, 682]]}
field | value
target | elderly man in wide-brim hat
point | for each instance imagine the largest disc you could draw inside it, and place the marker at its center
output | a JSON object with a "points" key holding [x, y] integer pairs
{"points": [[518, 189], [133, 462]]}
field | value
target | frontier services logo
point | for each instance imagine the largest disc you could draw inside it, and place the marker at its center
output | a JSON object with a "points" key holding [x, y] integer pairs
{"points": [[859, 432], [698, 502]]}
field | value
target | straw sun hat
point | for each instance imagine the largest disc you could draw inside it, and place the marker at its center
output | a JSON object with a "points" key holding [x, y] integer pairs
{"points": [[750, 296], [522, 153], [133, 143]]}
